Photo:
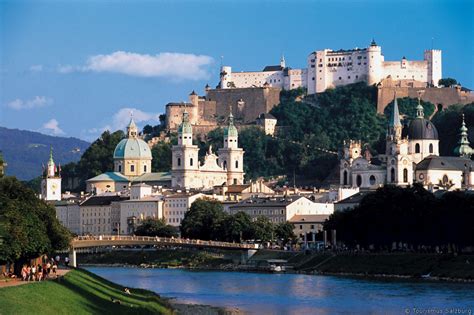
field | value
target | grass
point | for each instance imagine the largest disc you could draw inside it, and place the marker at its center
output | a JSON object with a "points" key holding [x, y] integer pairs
{"points": [[79, 292]]}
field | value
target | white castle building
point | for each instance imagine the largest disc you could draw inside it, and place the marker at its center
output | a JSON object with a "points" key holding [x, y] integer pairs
{"points": [[224, 168], [329, 68], [411, 155], [51, 182]]}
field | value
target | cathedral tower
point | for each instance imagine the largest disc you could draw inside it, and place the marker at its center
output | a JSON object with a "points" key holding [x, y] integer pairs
{"points": [[185, 158], [231, 156], [463, 149], [51, 182]]}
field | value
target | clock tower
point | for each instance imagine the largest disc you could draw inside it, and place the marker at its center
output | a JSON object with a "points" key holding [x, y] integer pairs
{"points": [[51, 183]]}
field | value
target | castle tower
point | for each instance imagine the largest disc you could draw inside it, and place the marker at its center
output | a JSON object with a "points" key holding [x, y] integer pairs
{"points": [[231, 157], [51, 182], [185, 158], [433, 58], [282, 62], [374, 63], [463, 149], [194, 98], [226, 77]]}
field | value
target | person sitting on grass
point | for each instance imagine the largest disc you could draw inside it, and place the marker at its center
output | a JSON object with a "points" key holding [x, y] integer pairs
{"points": [[127, 291]]}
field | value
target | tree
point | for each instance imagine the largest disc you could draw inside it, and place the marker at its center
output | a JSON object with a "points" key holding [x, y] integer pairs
{"points": [[203, 220], [235, 228], [447, 82], [148, 129], [407, 107], [29, 227], [156, 227], [161, 154], [263, 229], [284, 231]]}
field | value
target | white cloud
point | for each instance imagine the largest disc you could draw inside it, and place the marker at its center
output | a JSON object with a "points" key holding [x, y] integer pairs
{"points": [[52, 126], [36, 68], [171, 65], [36, 102], [122, 118]]}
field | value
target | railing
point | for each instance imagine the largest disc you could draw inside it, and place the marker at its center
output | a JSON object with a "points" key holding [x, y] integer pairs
{"points": [[162, 240]]}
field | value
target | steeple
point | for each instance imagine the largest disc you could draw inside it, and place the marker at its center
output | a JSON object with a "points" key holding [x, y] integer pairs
{"points": [[373, 43], [185, 130], [395, 126], [419, 108], [230, 132], [282, 61], [132, 129], [51, 171], [463, 149]]}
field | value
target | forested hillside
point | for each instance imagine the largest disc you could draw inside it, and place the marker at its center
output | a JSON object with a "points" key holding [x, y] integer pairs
{"points": [[26, 151]]}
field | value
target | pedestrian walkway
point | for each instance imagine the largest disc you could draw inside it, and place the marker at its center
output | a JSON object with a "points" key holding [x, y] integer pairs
{"points": [[11, 282]]}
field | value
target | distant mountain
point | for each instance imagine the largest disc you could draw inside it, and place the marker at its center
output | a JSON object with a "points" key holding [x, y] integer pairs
{"points": [[26, 151]]}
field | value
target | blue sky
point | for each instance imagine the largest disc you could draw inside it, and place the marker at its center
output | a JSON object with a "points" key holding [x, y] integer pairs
{"points": [[74, 68]]}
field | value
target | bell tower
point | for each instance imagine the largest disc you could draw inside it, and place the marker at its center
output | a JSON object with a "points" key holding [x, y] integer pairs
{"points": [[51, 182], [231, 157]]}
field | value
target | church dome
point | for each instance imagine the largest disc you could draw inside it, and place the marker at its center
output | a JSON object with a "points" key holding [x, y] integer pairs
{"points": [[422, 129], [132, 148]]}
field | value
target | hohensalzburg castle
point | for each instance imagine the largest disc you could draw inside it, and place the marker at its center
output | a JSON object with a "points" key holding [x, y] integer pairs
{"points": [[328, 68]]}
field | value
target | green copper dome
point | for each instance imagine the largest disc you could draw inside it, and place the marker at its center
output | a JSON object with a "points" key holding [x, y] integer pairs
{"points": [[132, 148], [231, 130], [185, 126]]}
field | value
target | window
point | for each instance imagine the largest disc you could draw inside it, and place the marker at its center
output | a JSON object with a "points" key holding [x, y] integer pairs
{"points": [[225, 165], [132, 168], [417, 148], [445, 179], [191, 161], [235, 181], [144, 168], [345, 178], [392, 175], [431, 147], [301, 227], [359, 180], [236, 164], [179, 161], [405, 175], [372, 180], [120, 168], [340, 78]]}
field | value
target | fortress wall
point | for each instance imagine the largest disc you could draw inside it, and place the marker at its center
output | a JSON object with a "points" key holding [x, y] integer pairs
{"points": [[256, 101], [443, 96]]}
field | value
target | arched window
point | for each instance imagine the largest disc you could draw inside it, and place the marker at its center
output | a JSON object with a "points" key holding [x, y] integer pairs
{"points": [[431, 147], [417, 148], [236, 164], [359, 180], [345, 178], [445, 179], [392, 175], [120, 168], [225, 165], [191, 161], [144, 168], [405, 175], [179, 161], [372, 180]]}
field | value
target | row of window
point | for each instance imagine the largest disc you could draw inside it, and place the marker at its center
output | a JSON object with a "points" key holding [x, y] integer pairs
{"points": [[132, 168]]}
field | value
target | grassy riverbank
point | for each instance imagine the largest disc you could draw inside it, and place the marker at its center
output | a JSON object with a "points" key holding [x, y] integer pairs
{"points": [[79, 292]]}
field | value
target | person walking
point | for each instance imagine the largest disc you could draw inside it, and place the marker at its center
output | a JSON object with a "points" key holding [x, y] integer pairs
{"points": [[39, 273], [54, 269], [24, 273], [33, 273]]}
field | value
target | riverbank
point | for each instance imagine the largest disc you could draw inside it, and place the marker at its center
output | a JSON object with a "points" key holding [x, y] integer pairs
{"points": [[79, 292], [394, 265]]}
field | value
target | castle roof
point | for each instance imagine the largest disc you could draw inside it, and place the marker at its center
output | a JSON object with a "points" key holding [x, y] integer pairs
{"points": [[273, 68]]}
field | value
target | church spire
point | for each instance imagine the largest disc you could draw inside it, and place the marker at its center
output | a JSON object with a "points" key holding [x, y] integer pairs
{"points": [[419, 108], [395, 125], [132, 129], [282, 61], [463, 149]]}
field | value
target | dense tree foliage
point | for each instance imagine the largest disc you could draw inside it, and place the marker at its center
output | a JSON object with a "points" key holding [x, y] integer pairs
{"points": [[156, 227], [28, 226], [413, 216], [448, 123], [407, 108], [161, 153], [447, 82], [206, 220]]}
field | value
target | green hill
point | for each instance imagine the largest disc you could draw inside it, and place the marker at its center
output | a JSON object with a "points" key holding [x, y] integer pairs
{"points": [[26, 151]]}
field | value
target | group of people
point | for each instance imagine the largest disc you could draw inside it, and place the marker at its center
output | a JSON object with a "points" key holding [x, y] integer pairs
{"points": [[42, 270]]}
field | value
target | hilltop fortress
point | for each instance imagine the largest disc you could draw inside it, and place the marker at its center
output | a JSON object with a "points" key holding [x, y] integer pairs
{"points": [[249, 94]]}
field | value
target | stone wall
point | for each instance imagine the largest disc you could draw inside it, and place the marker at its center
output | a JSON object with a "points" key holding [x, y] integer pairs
{"points": [[438, 96]]}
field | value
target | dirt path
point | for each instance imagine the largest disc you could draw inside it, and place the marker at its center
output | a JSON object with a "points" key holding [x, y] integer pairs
{"points": [[9, 282]]}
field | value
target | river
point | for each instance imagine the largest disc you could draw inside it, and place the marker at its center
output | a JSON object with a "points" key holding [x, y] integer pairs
{"points": [[298, 294]]}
